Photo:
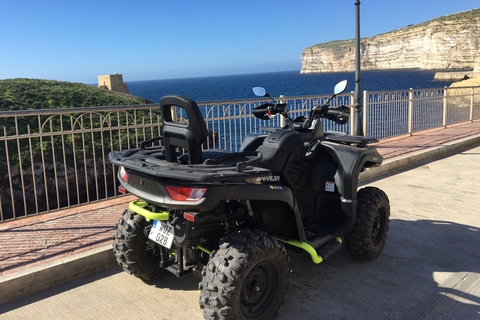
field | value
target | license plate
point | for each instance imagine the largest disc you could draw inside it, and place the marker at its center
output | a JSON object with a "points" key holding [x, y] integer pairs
{"points": [[162, 233]]}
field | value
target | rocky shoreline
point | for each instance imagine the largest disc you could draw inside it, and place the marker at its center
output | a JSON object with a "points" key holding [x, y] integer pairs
{"points": [[456, 76]]}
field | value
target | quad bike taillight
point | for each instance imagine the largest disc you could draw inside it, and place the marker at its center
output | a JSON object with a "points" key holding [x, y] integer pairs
{"points": [[123, 174], [185, 193]]}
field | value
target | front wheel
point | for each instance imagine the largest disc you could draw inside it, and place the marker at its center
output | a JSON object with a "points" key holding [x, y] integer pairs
{"points": [[367, 238], [246, 278]]}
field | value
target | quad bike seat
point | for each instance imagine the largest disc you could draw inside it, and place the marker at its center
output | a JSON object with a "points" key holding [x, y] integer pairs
{"points": [[190, 135], [347, 139], [218, 156]]}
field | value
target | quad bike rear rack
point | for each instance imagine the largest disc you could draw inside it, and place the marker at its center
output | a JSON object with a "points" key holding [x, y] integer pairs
{"points": [[218, 166]]}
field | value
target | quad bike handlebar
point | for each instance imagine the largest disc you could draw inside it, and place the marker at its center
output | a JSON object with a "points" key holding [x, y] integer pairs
{"points": [[266, 110], [340, 114]]}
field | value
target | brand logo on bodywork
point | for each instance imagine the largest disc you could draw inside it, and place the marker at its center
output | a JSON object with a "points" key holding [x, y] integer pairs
{"points": [[269, 179], [276, 187]]}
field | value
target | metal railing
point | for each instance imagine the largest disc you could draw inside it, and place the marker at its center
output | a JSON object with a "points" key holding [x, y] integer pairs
{"points": [[58, 158], [53, 159], [231, 121], [392, 113]]}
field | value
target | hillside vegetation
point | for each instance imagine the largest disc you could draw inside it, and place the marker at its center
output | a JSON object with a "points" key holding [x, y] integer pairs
{"points": [[26, 94]]}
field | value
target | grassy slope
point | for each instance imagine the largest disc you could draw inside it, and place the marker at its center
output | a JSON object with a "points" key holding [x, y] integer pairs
{"points": [[25, 94]]}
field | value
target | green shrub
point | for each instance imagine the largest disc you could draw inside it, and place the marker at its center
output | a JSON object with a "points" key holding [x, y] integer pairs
{"points": [[27, 94]]}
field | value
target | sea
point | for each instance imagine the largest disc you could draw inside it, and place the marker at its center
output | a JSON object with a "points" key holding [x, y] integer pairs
{"points": [[287, 83]]}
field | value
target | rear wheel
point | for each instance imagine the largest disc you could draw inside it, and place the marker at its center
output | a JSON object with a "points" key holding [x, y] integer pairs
{"points": [[367, 238], [132, 249], [246, 278]]}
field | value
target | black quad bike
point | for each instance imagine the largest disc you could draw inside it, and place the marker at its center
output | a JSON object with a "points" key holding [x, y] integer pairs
{"points": [[232, 215]]}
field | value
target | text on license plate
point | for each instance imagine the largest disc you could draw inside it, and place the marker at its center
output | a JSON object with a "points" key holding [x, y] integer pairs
{"points": [[162, 233]]}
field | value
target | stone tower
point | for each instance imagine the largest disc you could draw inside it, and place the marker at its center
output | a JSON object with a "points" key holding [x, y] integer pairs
{"points": [[113, 82]]}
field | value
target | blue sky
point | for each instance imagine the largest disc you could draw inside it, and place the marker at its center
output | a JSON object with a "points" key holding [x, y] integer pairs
{"points": [[145, 40]]}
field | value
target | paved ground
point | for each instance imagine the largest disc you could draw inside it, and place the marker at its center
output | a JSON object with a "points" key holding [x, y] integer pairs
{"points": [[60, 234], [428, 259], [429, 269]]}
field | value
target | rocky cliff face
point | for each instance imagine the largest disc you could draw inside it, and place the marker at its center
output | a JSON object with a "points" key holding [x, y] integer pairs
{"points": [[476, 67], [448, 42]]}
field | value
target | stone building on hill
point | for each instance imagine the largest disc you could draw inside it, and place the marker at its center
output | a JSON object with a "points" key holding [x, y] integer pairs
{"points": [[113, 82]]}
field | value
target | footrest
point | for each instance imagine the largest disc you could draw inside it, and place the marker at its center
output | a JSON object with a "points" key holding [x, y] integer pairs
{"points": [[330, 248]]}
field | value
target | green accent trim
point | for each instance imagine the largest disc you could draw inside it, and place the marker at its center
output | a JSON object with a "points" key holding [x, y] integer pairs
{"points": [[305, 246], [136, 206], [204, 249]]}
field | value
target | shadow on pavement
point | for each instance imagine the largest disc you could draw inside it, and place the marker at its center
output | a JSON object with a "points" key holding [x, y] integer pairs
{"points": [[404, 282], [51, 292]]}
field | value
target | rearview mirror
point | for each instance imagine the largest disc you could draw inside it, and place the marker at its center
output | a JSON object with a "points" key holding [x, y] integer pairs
{"points": [[340, 87], [259, 91]]}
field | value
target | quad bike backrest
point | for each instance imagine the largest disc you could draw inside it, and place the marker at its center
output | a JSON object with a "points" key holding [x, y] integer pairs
{"points": [[189, 135]]}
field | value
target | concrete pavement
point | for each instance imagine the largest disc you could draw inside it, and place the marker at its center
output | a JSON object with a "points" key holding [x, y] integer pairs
{"points": [[429, 269], [429, 263]]}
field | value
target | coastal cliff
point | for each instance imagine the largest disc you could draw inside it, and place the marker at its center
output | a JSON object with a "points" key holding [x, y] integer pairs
{"points": [[448, 42]]}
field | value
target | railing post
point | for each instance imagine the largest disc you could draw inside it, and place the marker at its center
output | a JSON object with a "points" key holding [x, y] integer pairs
{"points": [[471, 103], [9, 172], [365, 112], [445, 106], [410, 111], [352, 113], [173, 111], [282, 118]]}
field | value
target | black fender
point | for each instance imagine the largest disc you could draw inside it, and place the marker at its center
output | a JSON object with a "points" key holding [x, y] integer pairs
{"points": [[350, 162], [252, 141]]}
